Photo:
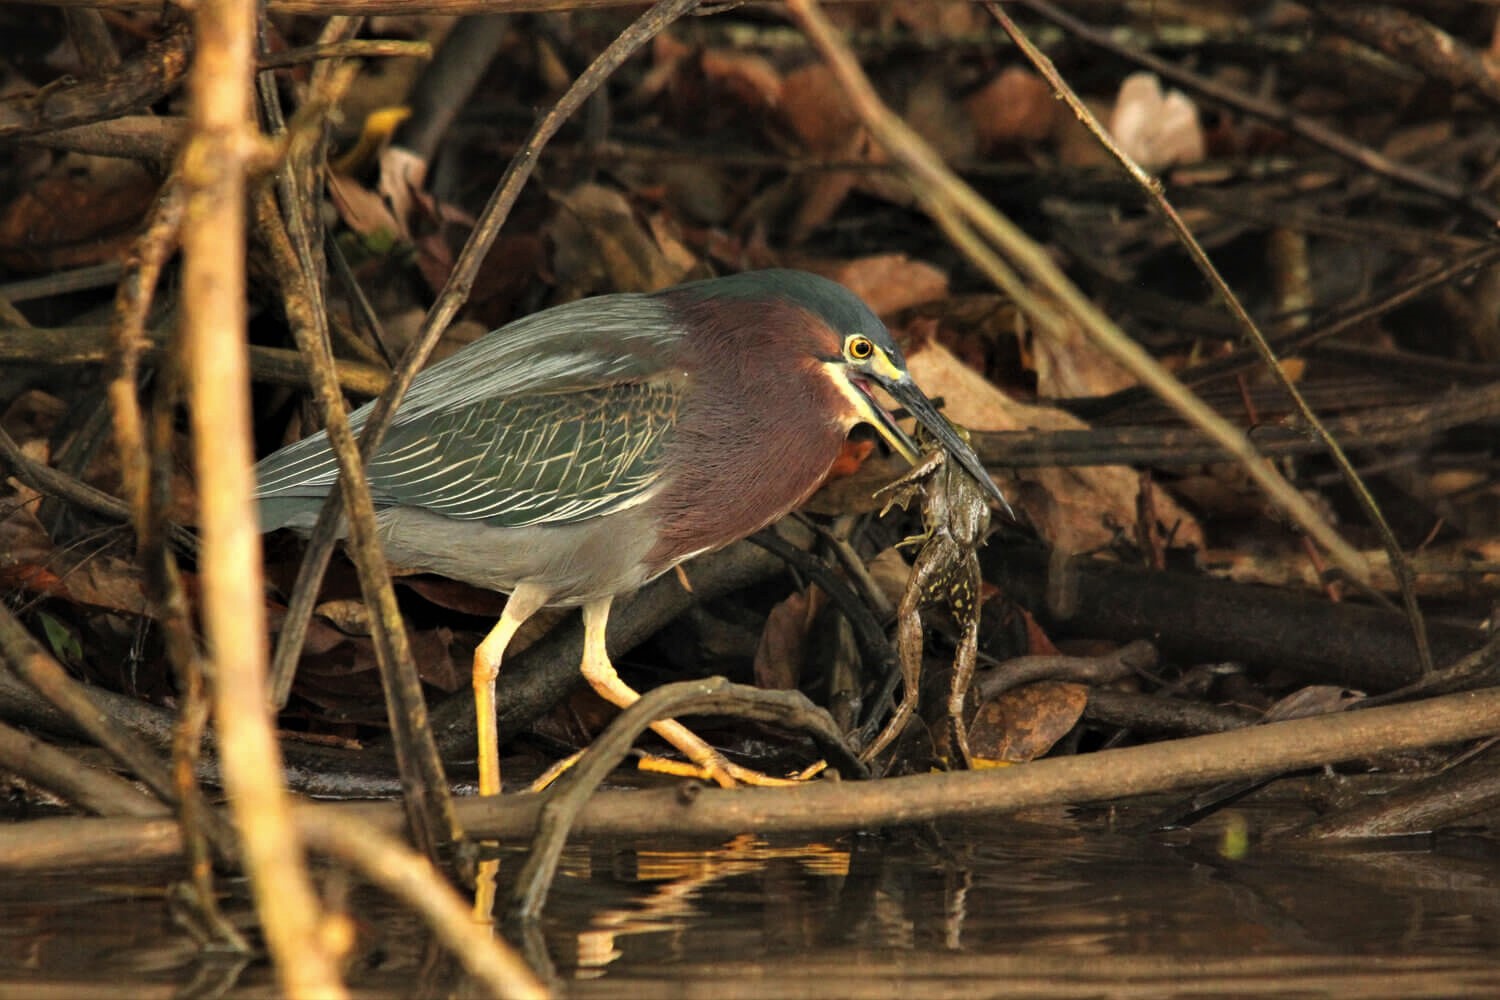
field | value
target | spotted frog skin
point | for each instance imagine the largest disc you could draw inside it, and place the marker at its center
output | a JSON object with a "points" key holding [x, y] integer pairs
{"points": [[955, 517]]}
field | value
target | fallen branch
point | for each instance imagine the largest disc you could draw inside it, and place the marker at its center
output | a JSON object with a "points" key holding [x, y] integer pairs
{"points": [[692, 811]]}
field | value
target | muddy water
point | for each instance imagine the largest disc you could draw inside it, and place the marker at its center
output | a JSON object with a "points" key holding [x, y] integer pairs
{"points": [[1059, 906]]}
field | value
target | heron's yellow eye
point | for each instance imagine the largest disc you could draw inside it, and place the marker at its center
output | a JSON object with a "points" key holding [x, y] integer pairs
{"points": [[859, 348]]}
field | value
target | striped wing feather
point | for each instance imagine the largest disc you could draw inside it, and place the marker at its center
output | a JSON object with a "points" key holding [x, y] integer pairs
{"points": [[554, 418], [549, 459]]}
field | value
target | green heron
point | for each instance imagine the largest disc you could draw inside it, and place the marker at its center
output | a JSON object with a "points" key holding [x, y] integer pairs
{"points": [[574, 455]]}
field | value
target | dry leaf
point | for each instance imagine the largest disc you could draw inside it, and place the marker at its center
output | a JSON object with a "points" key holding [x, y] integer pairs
{"points": [[601, 246], [1314, 699], [890, 572], [364, 211], [1156, 129], [85, 212], [1069, 366], [1015, 107], [667, 54], [402, 177], [747, 77], [349, 616], [851, 458], [1025, 722], [814, 106], [888, 283], [936, 117], [1075, 509], [778, 656], [931, 20]]}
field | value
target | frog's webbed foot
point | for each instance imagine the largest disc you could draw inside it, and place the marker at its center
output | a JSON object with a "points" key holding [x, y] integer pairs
{"points": [[911, 484]]}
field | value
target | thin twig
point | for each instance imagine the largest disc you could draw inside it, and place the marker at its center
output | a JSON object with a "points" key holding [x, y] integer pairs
{"points": [[1406, 426], [1124, 662], [213, 168], [975, 225], [411, 878], [92, 345], [45, 479], [286, 235], [91, 788], [360, 48], [567, 797], [38, 669], [1341, 320], [133, 297], [1273, 112], [1405, 580], [1430, 804]]}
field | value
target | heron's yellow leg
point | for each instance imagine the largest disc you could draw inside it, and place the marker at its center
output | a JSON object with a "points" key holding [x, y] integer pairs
{"points": [[523, 603], [600, 674], [484, 890]]}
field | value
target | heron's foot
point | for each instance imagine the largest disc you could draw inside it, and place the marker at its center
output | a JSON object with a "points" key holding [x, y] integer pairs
{"points": [[484, 891], [725, 773], [720, 771], [554, 772]]}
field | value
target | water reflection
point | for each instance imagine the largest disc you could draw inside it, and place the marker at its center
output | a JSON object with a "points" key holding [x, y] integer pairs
{"points": [[1049, 907], [1048, 910]]}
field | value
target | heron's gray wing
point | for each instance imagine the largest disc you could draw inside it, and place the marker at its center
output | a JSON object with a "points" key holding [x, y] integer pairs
{"points": [[519, 375], [549, 458], [545, 459], [579, 345]]}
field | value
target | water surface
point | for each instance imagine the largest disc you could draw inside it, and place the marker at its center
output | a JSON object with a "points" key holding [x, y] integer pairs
{"points": [[1046, 906]]}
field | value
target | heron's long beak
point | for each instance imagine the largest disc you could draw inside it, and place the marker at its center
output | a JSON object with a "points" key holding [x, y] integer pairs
{"points": [[905, 392]]}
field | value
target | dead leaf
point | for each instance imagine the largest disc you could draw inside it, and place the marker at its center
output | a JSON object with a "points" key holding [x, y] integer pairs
{"points": [[85, 212], [814, 106], [668, 237], [402, 177], [1156, 129], [1069, 366], [30, 562], [855, 493], [1314, 699], [1026, 722], [890, 571], [23, 540], [1075, 509], [667, 54], [512, 268], [364, 211], [1076, 146], [349, 616], [321, 635], [823, 194], [600, 245], [851, 457], [1014, 108], [778, 656], [936, 117], [30, 418], [888, 283], [1038, 642], [745, 76], [933, 21], [433, 650]]}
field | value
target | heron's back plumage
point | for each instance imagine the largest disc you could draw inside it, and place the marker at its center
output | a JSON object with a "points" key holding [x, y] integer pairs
{"points": [[554, 418]]}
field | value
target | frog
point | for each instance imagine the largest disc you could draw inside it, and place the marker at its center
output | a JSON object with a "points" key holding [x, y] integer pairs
{"points": [[945, 572]]}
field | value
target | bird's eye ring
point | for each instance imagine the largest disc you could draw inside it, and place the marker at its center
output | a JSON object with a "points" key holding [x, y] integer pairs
{"points": [[859, 348]]}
